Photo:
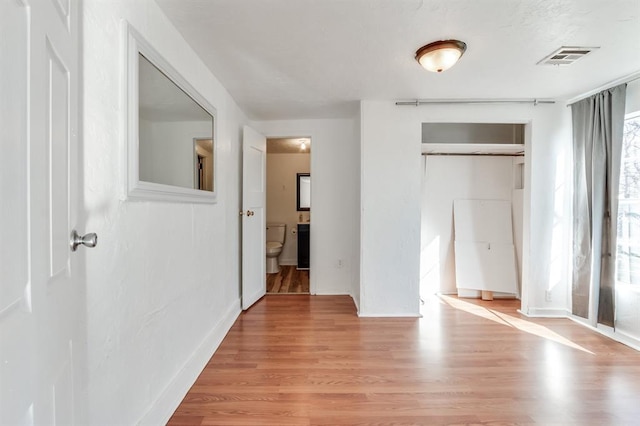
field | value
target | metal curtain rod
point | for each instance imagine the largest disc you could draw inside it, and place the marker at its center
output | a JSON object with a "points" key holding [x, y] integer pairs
{"points": [[419, 102]]}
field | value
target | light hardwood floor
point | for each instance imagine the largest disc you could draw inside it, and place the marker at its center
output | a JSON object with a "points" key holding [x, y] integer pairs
{"points": [[309, 360], [288, 280]]}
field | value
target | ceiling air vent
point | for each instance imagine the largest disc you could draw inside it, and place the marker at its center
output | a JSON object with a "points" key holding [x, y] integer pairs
{"points": [[566, 55]]}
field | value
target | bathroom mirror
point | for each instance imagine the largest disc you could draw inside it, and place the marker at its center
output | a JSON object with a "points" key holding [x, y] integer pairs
{"points": [[303, 198], [171, 130]]}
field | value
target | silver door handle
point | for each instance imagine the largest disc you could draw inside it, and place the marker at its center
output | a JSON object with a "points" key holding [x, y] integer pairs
{"points": [[88, 240]]}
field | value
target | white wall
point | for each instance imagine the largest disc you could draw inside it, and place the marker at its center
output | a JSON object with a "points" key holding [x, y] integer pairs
{"points": [[391, 175], [517, 213], [633, 97], [163, 283], [451, 177], [390, 220], [334, 198], [282, 172], [356, 271]]}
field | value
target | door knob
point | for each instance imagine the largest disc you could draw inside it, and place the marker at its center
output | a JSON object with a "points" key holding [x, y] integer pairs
{"points": [[88, 240]]}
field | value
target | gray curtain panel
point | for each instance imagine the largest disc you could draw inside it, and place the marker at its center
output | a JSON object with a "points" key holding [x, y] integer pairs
{"points": [[598, 123]]}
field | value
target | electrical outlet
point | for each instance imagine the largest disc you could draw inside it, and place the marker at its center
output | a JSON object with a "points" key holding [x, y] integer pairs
{"points": [[547, 295], [339, 263]]}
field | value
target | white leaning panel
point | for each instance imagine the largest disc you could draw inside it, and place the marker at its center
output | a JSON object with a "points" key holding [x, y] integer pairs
{"points": [[484, 250], [486, 266], [483, 221]]}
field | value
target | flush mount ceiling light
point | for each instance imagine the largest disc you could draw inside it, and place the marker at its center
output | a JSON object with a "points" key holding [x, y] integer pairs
{"points": [[440, 55]]}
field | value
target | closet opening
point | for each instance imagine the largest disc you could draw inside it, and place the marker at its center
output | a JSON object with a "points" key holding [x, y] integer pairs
{"points": [[473, 188]]}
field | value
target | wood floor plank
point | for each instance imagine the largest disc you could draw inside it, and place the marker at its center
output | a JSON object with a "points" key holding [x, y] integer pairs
{"points": [[309, 360], [185, 420], [288, 281]]}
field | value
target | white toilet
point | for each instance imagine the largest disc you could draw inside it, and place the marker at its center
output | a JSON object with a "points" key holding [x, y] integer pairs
{"points": [[275, 240]]}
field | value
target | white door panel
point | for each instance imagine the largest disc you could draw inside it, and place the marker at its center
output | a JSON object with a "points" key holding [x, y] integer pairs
{"points": [[57, 137], [40, 302], [254, 160], [14, 268], [17, 354]]}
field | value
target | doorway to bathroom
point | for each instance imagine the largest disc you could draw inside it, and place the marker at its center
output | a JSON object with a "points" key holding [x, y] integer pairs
{"points": [[288, 214]]}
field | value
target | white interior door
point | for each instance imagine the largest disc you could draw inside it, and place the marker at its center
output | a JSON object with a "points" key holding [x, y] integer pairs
{"points": [[39, 275], [254, 162]]}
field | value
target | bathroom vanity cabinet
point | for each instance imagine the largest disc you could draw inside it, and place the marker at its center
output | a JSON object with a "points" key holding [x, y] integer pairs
{"points": [[303, 245]]}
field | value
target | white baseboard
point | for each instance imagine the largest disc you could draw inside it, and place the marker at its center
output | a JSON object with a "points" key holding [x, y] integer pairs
{"points": [[163, 408], [478, 295], [288, 262], [545, 313], [355, 302]]}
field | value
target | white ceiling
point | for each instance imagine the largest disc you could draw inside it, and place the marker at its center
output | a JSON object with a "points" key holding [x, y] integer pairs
{"points": [[287, 59]]}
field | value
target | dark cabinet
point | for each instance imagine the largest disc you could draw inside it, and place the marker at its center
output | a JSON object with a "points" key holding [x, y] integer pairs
{"points": [[303, 245]]}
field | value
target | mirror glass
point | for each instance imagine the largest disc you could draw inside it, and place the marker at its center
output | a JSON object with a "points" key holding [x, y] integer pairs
{"points": [[304, 192], [175, 133]]}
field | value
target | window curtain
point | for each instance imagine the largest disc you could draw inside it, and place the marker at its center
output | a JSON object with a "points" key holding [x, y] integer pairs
{"points": [[598, 123]]}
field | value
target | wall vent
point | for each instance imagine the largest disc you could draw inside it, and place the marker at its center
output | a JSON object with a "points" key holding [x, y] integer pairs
{"points": [[566, 55]]}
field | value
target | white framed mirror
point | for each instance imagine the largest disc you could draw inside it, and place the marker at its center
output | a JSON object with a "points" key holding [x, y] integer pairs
{"points": [[303, 192], [170, 130]]}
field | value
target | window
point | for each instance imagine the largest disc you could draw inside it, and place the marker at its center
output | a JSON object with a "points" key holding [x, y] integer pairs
{"points": [[628, 250]]}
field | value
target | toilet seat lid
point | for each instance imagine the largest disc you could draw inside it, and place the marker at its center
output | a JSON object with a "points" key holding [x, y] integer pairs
{"points": [[273, 245]]}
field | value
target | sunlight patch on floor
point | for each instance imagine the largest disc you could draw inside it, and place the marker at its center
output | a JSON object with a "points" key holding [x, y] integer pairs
{"points": [[511, 321]]}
